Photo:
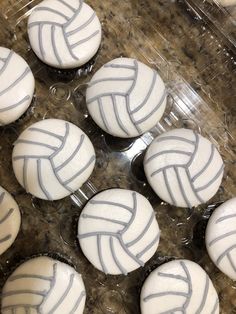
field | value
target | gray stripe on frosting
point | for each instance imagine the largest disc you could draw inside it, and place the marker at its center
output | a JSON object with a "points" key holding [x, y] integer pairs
{"points": [[172, 137], [29, 276], [18, 80], [94, 202], [116, 260], [221, 237], [54, 148], [169, 187], [8, 214], [59, 137], [195, 150], [149, 246], [206, 165], [77, 304], [40, 180], [119, 222], [75, 15], [40, 39], [164, 152], [84, 40], [148, 94], [182, 188], [225, 218], [20, 102], [205, 294], [112, 79], [67, 5], [6, 238], [164, 294], [47, 9], [119, 66], [54, 46], [2, 197], [99, 238], [17, 292], [119, 121], [82, 26], [178, 277], [6, 62], [25, 169], [133, 216], [102, 114], [218, 174], [219, 259]]}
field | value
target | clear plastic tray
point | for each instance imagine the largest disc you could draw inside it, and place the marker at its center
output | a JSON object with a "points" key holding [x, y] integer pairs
{"points": [[222, 19], [50, 227]]}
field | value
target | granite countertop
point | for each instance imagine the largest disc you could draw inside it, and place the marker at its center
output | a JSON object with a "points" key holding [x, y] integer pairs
{"points": [[163, 34]]}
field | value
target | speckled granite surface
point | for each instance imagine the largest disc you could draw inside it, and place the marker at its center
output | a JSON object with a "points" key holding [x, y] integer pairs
{"points": [[164, 35]]}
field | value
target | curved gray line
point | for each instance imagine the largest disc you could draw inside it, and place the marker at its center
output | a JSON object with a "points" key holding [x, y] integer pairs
{"points": [[95, 98], [85, 39], [75, 15], [120, 123], [94, 202], [68, 45], [221, 237], [118, 264], [92, 159], [29, 276], [135, 67], [182, 188], [65, 163], [16, 104], [100, 254], [165, 168], [6, 62], [54, 148], [190, 287], [215, 306], [168, 187], [30, 156], [173, 137], [52, 11], [58, 177], [195, 150], [164, 294], [2, 197], [178, 277], [102, 114], [94, 234], [138, 129], [201, 200], [143, 232], [6, 238], [225, 253], [54, 45], [8, 214], [40, 39], [16, 292], [212, 180], [154, 110], [25, 167], [64, 295], [206, 165], [231, 262], [63, 142], [135, 258], [147, 248], [108, 79], [67, 5], [148, 94], [77, 304], [52, 285], [59, 137], [40, 180], [20, 78], [104, 219], [225, 218], [43, 23], [164, 152], [134, 211], [205, 293], [82, 26], [119, 66]]}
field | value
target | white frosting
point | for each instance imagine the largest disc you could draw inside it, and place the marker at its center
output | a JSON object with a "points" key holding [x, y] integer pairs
{"points": [[179, 286], [118, 231], [64, 33], [43, 285], [183, 168], [221, 238], [16, 86], [227, 3], [52, 158], [126, 98], [10, 220]]}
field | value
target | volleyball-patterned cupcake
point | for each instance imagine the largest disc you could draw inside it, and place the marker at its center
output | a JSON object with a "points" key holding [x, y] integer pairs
{"points": [[126, 98], [118, 231], [179, 286], [43, 286], [183, 168], [52, 158], [10, 220], [221, 238], [16, 86], [64, 33]]}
